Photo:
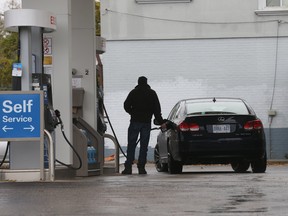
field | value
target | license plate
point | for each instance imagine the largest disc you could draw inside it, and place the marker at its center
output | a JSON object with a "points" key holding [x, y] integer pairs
{"points": [[221, 128]]}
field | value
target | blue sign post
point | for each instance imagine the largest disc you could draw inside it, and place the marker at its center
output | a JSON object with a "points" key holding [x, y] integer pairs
{"points": [[21, 115]]}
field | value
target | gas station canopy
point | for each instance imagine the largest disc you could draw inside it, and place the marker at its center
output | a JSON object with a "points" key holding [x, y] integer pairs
{"points": [[29, 17]]}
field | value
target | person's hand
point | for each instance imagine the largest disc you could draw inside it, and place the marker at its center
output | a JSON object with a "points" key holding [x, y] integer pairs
{"points": [[163, 126]]}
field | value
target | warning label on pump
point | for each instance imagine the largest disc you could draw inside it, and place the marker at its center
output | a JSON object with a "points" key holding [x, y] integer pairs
{"points": [[47, 45]]}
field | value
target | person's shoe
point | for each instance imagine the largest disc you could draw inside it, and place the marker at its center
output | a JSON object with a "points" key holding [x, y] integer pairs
{"points": [[127, 170], [141, 170]]}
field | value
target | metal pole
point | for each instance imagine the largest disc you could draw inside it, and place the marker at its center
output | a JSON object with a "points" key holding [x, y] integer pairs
{"points": [[26, 57], [116, 149], [51, 156]]}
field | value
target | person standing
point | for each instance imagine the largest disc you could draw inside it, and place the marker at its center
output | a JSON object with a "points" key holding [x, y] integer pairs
{"points": [[141, 103]]}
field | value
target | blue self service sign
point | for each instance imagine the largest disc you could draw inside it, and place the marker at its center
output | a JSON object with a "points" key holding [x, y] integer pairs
{"points": [[21, 115]]}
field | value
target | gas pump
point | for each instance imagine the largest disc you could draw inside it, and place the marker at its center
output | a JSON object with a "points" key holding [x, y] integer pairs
{"points": [[31, 24], [42, 82], [87, 141]]}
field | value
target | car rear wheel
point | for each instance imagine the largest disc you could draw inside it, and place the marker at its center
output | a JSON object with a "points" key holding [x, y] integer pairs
{"points": [[259, 166], [240, 166], [174, 167], [160, 167]]}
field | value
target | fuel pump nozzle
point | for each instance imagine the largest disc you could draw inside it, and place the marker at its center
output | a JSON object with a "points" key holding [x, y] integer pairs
{"points": [[57, 113], [169, 125]]}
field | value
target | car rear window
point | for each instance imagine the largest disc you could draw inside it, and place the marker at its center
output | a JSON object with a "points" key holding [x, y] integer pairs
{"points": [[218, 107]]}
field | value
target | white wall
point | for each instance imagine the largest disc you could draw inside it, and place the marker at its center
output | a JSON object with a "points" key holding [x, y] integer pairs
{"points": [[179, 69], [198, 49], [127, 20]]}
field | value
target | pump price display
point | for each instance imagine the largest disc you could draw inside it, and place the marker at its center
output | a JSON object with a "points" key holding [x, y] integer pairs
{"points": [[20, 115]]}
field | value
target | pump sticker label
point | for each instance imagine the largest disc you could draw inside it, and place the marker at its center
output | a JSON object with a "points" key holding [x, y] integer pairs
{"points": [[17, 70], [20, 115]]}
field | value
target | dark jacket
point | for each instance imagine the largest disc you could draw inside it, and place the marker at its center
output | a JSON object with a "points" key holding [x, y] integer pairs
{"points": [[141, 103]]}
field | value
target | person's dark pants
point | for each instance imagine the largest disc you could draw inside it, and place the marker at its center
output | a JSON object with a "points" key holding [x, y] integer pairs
{"points": [[136, 128]]}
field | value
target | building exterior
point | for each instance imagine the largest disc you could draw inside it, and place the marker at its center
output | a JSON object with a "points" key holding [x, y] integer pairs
{"points": [[199, 48]]}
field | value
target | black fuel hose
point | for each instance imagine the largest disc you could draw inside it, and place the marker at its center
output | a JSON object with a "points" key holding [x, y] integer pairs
{"points": [[113, 132], [5, 155], [57, 112], [156, 128]]}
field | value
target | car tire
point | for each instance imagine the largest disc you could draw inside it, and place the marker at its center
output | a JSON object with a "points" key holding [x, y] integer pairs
{"points": [[160, 167], [260, 165], [240, 166], [174, 167]]}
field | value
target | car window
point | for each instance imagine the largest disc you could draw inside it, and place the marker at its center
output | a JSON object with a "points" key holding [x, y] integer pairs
{"points": [[218, 107], [173, 112], [180, 111]]}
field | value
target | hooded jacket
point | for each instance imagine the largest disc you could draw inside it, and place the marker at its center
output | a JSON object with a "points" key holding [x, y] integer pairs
{"points": [[142, 103]]}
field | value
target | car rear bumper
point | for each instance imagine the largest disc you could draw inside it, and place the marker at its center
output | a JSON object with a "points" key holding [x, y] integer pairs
{"points": [[220, 151]]}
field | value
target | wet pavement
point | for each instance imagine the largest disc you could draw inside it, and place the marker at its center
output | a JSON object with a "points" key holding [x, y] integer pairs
{"points": [[200, 190]]}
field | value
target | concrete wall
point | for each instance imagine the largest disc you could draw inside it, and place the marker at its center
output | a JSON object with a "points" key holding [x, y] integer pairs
{"points": [[127, 20], [199, 49]]}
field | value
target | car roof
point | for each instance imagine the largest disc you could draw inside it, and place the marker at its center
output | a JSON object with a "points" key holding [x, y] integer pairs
{"points": [[214, 99]]}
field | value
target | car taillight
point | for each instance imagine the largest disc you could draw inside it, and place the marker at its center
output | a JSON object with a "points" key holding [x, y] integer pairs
{"points": [[184, 126], [256, 124]]}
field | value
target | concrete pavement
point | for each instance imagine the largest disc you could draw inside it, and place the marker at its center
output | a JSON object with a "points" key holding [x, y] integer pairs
{"points": [[200, 190]]}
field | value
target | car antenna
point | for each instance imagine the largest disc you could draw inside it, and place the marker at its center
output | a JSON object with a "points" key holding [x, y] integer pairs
{"points": [[214, 99]]}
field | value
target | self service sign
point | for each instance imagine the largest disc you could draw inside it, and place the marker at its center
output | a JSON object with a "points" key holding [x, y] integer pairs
{"points": [[21, 115]]}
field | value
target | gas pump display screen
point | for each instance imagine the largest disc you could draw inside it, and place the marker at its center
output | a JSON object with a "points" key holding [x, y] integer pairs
{"points": [[20, 115]]}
